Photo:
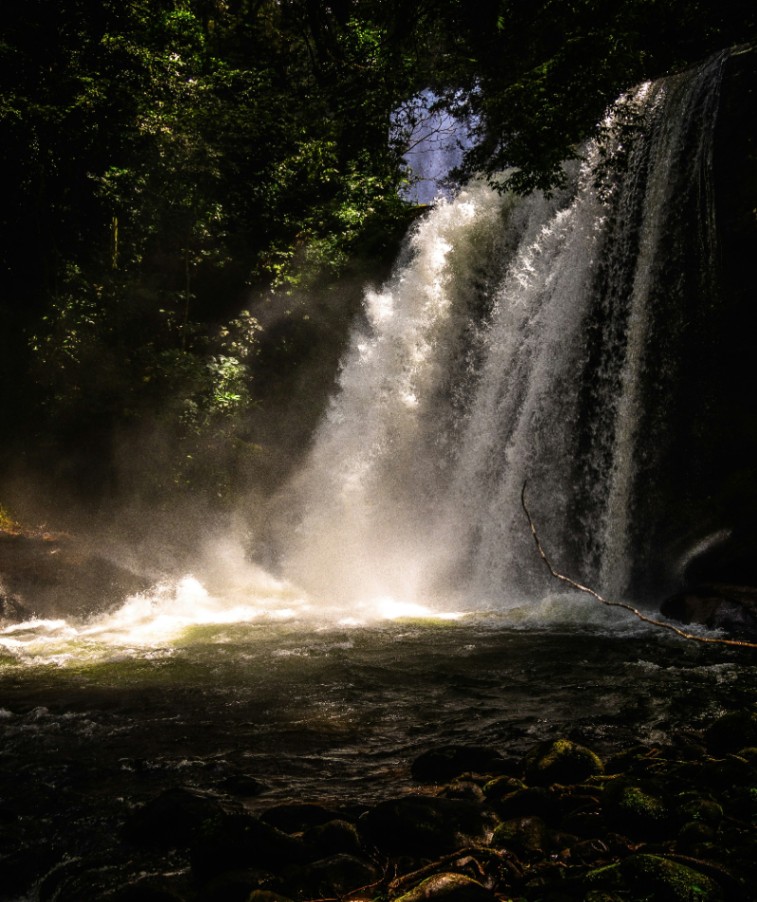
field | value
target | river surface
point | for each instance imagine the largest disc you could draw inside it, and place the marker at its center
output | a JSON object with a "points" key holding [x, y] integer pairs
{"points": [[98, 717]]}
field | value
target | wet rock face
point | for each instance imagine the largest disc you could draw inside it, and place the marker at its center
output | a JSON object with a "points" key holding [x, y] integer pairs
{"points": [[12, 608], [47, 575], [695, 507]]}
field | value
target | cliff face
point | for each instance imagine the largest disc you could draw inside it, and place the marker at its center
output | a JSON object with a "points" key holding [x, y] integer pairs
{"points": [[723, 386], [709, 535]]}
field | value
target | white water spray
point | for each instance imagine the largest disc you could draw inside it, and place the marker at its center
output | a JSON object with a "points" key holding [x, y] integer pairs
{"points": [[512, 344]]}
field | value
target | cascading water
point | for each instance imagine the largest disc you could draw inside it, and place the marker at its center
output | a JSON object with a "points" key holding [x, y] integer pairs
{"points": [[519, 340]]}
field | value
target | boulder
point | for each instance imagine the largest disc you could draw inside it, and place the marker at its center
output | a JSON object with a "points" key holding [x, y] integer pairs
{"points": [[239, 841], [694, 838], [732, 732], [11, 608], [48, 574], [173, 819], [500, 787], [462, 789], [561, 761], [418, 825], [534, 800], [637, 809], [244, 785], [332, 838]]}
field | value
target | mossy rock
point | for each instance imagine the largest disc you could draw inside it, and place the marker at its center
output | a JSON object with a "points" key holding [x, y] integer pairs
{"points": [[702, 810], [561, 761], [651, 878], [628, 761], [741, 802], [637, 809], [462, 789], [448, 887], [733, 769], [669, 881]]}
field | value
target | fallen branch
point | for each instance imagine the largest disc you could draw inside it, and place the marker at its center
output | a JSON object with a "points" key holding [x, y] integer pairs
{"points": [[462, 857], [740, 643]]}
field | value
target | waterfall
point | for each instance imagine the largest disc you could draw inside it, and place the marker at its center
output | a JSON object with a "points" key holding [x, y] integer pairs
{"points": [[520, 339]]}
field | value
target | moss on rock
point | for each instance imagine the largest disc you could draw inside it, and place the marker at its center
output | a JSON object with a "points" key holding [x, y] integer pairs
{"points": [[652, 878], [637, 809], [561, 761]]}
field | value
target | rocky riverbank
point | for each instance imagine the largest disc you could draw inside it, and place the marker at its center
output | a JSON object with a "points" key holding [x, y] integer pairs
{"points": [[668, 823]]}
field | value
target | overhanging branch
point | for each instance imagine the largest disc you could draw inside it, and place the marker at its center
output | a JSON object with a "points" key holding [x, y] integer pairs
{"points": [[740, 643]]}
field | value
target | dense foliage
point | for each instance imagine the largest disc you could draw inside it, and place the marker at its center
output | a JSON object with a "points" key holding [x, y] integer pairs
{"points": [[163, 164], [167, 164]]}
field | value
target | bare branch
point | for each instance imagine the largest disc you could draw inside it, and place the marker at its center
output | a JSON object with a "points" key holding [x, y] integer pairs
{"points": [[740, 643]]}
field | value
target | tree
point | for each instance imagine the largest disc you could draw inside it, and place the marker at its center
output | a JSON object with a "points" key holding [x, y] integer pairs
{"points": [[539, 75]]}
